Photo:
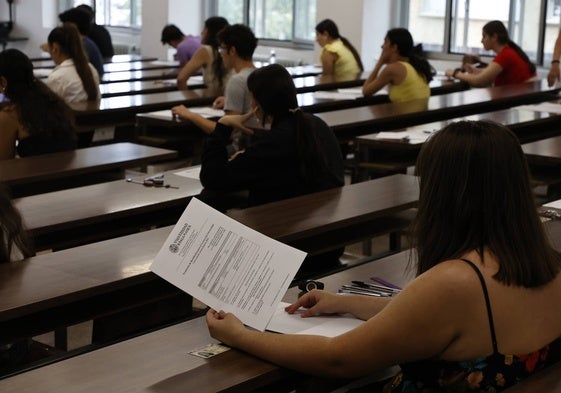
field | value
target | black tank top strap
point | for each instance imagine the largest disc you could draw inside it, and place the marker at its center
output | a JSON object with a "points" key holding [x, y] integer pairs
{"points": [[487, 302]]}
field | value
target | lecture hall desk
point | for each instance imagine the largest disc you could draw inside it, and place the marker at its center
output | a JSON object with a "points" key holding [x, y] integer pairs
{"points": [[528, 125], [160, 361], [349, 214], [45, 61], [350, 123], [49, 172]]}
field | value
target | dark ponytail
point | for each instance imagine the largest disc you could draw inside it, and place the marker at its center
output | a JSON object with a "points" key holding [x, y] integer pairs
{"points": [[273, 89], [68, 38], [404, 41], [327, 25], [213, 26], [497, 27]]}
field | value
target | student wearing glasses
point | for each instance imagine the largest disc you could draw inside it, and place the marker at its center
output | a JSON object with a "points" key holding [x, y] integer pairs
{"points": [[237, 44]]}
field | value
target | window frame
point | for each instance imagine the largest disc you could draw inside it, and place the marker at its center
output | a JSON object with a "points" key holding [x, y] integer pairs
{"points": [[295, 43], [66, 4], [448, 54]]}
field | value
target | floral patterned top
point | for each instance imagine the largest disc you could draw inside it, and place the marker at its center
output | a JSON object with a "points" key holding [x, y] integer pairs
{"points": [[489, 374]]}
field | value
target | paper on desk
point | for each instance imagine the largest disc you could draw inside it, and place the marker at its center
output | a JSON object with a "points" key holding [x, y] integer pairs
{"points": [[227, 265], [163, 114], [542, 107], [555, 204], [334, 95], [191, 173], [195, 80], [326, 325], [412, 136], [207, 111], [165, 62], [42, 72]]}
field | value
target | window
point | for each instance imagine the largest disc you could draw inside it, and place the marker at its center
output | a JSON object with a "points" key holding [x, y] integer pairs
{"points": [[454, 26], [118, 13], [279, 20]]}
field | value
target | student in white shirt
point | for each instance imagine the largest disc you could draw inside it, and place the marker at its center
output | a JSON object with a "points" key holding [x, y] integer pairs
{"points": [[74, 78]]}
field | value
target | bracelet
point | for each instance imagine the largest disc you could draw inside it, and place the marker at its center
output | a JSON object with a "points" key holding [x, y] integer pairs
{"points": [[555, 61]]}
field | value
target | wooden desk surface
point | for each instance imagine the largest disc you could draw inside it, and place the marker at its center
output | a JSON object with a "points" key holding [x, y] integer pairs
{"points": [[349, 123], [61, 218], [51, 290], [49, 167], [159, 361], [544, 152], [311, 216], [140, 75], [122, 109], [40, 61], [145, 87]]}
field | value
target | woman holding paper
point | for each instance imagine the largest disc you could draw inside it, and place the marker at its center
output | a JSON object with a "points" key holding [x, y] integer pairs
{"points": [[484, 311], [401, 68]]}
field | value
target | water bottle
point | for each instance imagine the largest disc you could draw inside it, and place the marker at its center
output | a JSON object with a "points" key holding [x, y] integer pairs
{"points": [[272, 57]]}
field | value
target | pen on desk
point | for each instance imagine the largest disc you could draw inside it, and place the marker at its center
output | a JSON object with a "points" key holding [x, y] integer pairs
{"points": [[355, 292], [381, 288], [384, 282], [365, 290]]}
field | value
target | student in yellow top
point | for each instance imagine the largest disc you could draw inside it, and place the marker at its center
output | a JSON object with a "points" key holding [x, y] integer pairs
{"points": [[338, 56], [405, 72]]}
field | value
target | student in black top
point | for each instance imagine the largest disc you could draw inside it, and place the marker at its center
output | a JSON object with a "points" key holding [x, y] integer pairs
{"points": [[299, 154], [99, 34]]}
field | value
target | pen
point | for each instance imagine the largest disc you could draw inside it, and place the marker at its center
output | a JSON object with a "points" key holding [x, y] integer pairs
{"points": [[384, 282], [365, 290], [353, 292], [380, 288]]}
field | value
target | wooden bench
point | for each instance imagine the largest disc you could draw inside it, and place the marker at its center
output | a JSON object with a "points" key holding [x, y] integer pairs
{"points": [[50, 172]]}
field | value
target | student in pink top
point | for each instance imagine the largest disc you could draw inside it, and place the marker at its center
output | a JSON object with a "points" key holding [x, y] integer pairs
{"points": [[510, 66]]}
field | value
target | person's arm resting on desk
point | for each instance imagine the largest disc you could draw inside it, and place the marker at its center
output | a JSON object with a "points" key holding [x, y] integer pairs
{"points": [[379, 79], [422, 322], [483, 78]]}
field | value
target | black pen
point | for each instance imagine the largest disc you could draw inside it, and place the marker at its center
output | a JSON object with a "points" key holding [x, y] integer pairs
{"points": [[353, 292], [381, 288], [365, 289]]}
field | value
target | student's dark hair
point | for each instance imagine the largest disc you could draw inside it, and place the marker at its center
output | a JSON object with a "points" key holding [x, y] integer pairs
{"points": [[475, 194], [89, 10], [13, 233], [273, 89], [240, 37], [213, 26], [327, 25], [404, 41], [68, 39], [80, 17], [497, 27], [39, 109], [171, 33]]}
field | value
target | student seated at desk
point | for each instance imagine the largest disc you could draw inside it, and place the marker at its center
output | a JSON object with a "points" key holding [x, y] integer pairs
{"points": [[35, 119], [484, 311], [237, 44], [400, 67], [510, 66], [14, 246], [338, 56], [215, 74], [74, 78]]}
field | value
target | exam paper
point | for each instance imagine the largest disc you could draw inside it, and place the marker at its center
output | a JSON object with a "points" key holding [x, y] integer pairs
{"points": [[227, 265], [191, 173], [325, 325], [207, 111], [412, 136], [555, 204]]}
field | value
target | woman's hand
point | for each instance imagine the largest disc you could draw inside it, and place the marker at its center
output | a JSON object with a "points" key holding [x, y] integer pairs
{"points": [[317, 302], [218, 103], [237, 121], [224, 326]]}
